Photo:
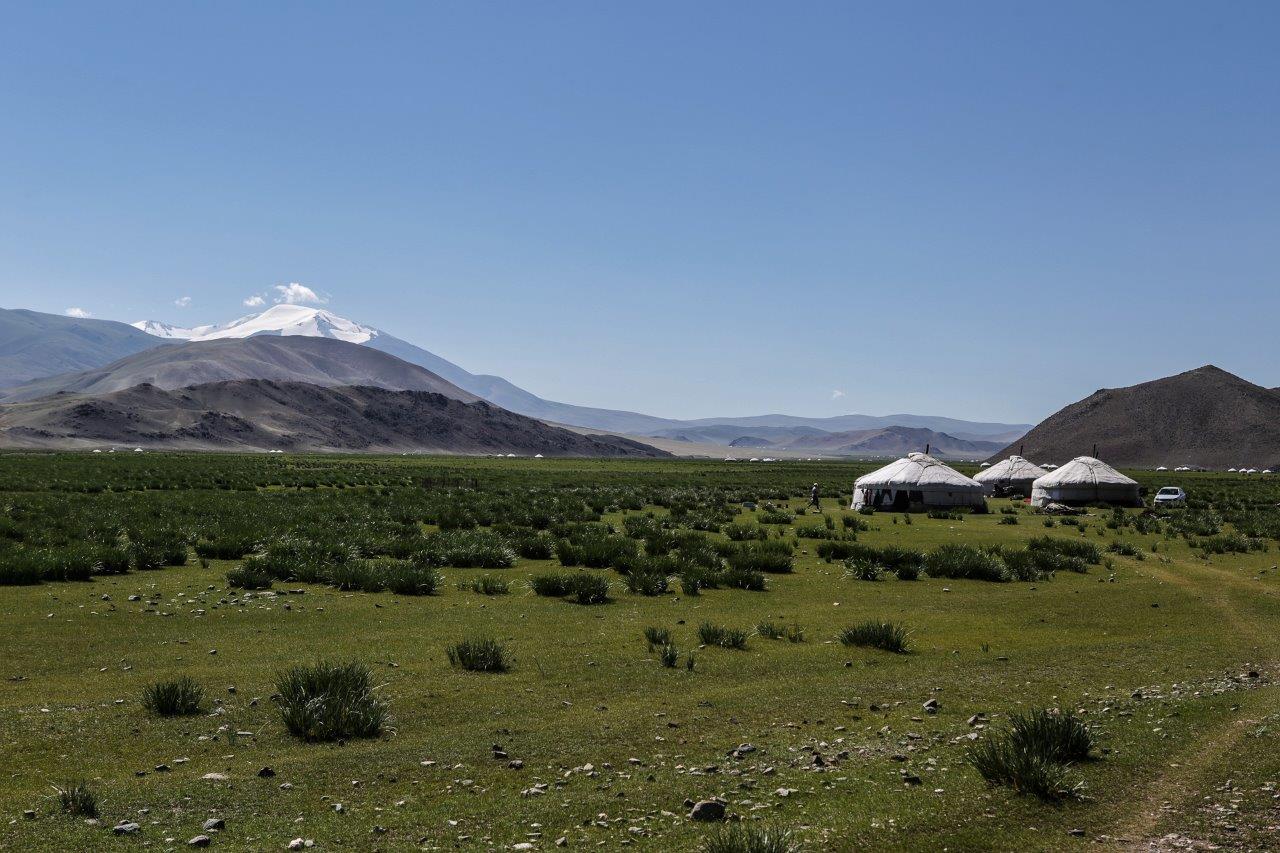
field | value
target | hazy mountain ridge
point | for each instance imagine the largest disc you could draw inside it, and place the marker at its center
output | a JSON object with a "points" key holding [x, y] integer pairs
{"points": [[34, 344]]}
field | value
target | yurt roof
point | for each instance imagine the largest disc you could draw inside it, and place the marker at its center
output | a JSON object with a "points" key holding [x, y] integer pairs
{"points": [[1085, 469], [917, 470], [1013, 468]]}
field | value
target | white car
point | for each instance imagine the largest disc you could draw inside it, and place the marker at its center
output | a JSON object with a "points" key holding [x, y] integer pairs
{"points": [[1171, 496]]}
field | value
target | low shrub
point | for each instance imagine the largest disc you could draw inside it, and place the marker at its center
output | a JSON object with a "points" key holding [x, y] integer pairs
{"points": [[181, 697], [888, 636], [669, 655], [330, 701], [1059, 737]]}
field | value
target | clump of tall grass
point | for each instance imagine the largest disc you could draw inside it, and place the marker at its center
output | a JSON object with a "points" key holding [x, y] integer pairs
{"points": [[1081, 549], [773, 557], [405, 578], [838, 550], [1126, 549], [889, 636], [965, 561], [77, 799], [774, 631], [551, 585], [1057, 736], [356, 575], [710, 634], [249, 575], [479, 655], [657, 637], [744, 532], [1032, 756], [485, 585], [862, 568], [999, 762], [669, 655], [330, 701], [466, 549], [583, 587], [181, 697], [751, 838], [775, 516], [647, 579]]}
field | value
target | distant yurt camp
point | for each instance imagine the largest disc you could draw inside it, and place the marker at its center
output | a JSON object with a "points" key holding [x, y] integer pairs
{"points": [[916, 482], [1085, 480], [1010, 476]]}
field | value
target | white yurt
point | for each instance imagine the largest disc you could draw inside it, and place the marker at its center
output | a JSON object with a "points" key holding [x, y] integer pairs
{"points": [[1085, 480], [915, 482], [1014, 474]]}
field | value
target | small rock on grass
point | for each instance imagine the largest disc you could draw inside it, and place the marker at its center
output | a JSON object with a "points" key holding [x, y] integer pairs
{"points": [[707, 810], [214, 824], [126, 828], [200, 841]]}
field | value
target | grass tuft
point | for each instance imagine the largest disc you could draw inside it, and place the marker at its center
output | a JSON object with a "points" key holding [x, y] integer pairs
{"points": [[479, 655], [889, 636], [181, 697], [330, 701], [751, 838]]}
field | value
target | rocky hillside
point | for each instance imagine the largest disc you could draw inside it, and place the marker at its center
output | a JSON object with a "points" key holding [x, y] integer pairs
{"points": [[266, 415], [1203, 417]]}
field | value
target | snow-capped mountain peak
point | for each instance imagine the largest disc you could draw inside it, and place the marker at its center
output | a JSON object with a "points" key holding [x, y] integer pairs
{"points": [[283, 319], [164, 330]]}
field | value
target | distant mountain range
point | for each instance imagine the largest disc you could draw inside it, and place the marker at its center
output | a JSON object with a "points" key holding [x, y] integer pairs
{"points": [[864, 443], [1204, 417], [264, 415], [56, 354], [294, 320]]}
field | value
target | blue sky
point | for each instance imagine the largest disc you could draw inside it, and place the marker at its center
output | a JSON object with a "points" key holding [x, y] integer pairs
{"points": [[984, 210]]}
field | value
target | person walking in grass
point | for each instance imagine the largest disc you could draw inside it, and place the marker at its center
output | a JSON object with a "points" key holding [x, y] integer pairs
{"points": [[813, 498]]}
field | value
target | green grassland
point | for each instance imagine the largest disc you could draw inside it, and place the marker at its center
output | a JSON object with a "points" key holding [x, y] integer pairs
{"points": [[1168, 653]]}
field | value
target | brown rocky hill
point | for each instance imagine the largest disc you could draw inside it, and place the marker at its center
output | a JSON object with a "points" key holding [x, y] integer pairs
{"points": [[265, 415], [1205, 416]]}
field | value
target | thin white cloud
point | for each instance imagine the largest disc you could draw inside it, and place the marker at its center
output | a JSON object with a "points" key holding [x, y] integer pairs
{"points": [[836, 395], [79, 313], [182, 301], [297, 294], [254, 301]]}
